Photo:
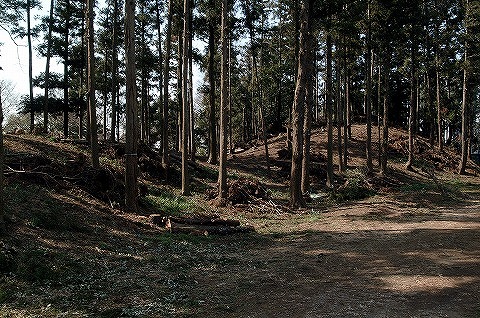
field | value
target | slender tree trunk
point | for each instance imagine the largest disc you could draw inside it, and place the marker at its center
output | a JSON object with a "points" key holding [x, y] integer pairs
{"points": [[346, 105], [131, 133], [222, 171], [230, 103], [298, 113], [143, 77], [437, 85], [192, 146], [105, 96], [180, 91], [166, 95], [386, 104], [65, 71], [212, 145], [379, 103], [30, 65], [261, 109], [309, 104], [114, 71], [464, 150], [47, 67], [413, 105], [339, 109], [91, 87], [82, 82], [186, 105], [329, 110], [160, 59], [368, 97]]}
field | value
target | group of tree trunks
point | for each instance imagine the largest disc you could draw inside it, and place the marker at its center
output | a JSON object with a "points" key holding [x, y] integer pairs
{"points": [[357, 42]]}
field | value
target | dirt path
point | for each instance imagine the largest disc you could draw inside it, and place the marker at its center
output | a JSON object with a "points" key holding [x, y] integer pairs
{"points": [[355, 263]]}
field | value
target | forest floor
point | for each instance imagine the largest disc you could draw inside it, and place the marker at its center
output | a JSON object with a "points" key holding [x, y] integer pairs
{"points": [[405, 245]]}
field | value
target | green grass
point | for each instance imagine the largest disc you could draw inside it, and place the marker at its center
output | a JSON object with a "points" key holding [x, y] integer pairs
{"points": [[167, 203]]}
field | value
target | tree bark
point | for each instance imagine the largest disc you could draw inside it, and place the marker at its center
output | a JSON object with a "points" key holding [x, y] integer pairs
{"points": [[91, 87], [346, 107], [166, 96], [413, 104], [160, 59], [298, 113], [329, 110], [179, 129], [464, 150], [368, 93], [309, 104], [114, 72], [65, 70], [186, 105], [191, 139], [212, 144], [47, 67], [222, 171], [338, 70], [386, 104], [131, 133], [30, 66]]}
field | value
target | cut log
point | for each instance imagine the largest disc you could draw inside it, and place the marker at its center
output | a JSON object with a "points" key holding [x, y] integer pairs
{"points": [[205, 221], [161, 220], [157, 219], [197, 229]]}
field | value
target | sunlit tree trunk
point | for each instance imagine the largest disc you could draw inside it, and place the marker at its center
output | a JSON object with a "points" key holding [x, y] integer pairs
{"points": [[30, 65], [47, 67], [186, 104], [92, 108], [298, 113], [309, 104]]}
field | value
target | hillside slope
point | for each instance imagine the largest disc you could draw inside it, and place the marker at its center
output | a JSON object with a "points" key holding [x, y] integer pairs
{"points": [[409, 247]]}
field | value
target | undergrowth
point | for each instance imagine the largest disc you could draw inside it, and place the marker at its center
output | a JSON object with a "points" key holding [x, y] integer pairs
{"points": [[356, 187]]}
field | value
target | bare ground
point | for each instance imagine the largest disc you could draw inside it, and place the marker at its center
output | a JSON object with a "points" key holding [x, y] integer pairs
{"points": [[412, 250]]}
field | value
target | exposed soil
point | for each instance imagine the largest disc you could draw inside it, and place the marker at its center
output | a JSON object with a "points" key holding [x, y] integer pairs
{"points": [[410, 250]]}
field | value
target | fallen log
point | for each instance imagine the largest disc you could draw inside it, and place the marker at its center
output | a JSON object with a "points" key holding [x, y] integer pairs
{"points": [[205, 230], [205, 221], [161, 220]]}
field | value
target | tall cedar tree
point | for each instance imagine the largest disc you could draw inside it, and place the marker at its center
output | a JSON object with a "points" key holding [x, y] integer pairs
{"points": [[47, 67], [91, 87], [166, 95], [131, 133], [222, 172], [186, 104], [298, 110]]}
